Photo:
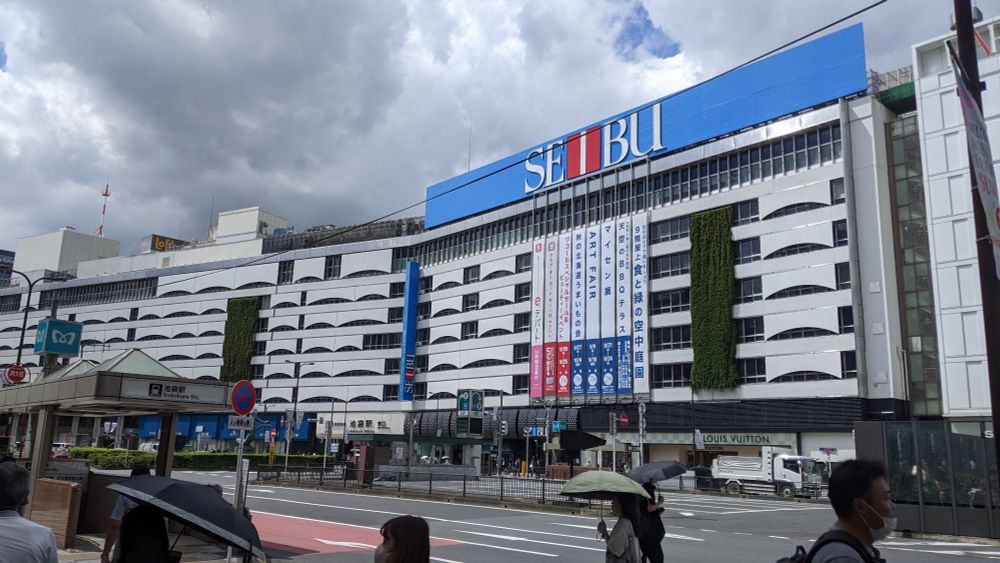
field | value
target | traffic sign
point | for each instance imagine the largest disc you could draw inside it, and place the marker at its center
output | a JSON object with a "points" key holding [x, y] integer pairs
{"points": [[623, 420], [16, 373], [240, 422], [463, 402], [244, 397], [558, 425], [58, 338]]}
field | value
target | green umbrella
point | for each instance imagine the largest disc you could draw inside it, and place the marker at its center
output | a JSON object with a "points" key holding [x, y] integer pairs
{"points": [[601, 485]]}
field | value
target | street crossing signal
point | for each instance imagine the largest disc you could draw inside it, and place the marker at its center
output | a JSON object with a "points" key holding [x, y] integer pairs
{"points": [[503, 428]]}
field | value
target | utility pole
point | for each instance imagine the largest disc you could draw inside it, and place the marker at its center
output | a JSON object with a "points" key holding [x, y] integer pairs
{"points": [[614, 441], [642, 429], [988, 282]]}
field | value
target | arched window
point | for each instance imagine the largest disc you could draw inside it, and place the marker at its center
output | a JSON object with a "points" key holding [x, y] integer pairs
{"points": [[805, 332], [798, 290], [275, 400], [796, 249], [803, 376]]}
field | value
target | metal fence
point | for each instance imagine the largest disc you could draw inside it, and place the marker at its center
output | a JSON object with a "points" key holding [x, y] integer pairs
{"points": [[942, 474], [527, 490]]}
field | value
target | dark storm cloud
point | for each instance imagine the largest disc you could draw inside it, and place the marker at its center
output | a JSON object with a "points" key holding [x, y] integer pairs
{"points": [[337, 112]]}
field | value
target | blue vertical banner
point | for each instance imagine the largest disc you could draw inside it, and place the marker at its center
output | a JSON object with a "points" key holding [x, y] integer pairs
{"points": [[623, 305], [609, 358], [411, 302], [578, 314]]}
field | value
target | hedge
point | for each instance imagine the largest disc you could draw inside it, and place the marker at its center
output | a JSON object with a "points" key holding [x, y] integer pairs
{"points": [[713, 332], [238, 343], [104, 458]]}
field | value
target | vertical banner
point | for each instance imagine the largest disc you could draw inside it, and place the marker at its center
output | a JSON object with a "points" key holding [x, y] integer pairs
{"points": [[640, 302], [537, 318], [608, 373], [411, 304], [978, 140], [563, 319], [593, 316], [623, 303], [551, 314], [578, 329]]}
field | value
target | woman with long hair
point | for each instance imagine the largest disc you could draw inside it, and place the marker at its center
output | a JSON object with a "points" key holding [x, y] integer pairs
{"points": [[623, 541], [405, 539]]}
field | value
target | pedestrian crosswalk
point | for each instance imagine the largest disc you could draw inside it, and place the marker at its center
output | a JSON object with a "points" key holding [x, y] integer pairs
{"points": [[688, 504]]}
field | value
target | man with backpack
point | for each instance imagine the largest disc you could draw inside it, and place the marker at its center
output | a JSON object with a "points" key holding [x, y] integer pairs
{"points": [[859, 494]]}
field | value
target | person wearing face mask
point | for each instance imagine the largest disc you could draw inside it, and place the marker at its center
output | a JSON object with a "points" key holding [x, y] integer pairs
{"points": [[859, 494], [405, 539]]}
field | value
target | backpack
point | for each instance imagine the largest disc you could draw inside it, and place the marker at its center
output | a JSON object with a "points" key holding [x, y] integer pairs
{"points": [[800, 555]]}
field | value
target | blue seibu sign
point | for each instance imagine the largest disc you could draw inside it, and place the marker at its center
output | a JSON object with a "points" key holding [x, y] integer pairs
{"points": [[812, 74]]}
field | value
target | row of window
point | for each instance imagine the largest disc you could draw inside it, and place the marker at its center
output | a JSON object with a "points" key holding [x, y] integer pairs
{"points": [[744, 252], [751, 370], [748, 330]]}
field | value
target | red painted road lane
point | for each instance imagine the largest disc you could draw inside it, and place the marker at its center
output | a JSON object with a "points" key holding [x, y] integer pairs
{"points": [[305, 535]]}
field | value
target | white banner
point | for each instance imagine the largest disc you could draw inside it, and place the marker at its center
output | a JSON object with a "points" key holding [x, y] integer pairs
{"points": [[978, 140], [578, 331], [593, 316], [551, 313], [563, 318], [608, 360], [640, 305], [623, 302], [537, 317]]}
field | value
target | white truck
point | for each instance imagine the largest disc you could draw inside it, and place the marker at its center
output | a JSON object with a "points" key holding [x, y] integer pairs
{"points": [[776, 471]]}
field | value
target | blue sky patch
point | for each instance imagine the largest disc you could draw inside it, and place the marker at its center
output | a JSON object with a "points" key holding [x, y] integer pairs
{"points": [[639, 31], [3, 57]]}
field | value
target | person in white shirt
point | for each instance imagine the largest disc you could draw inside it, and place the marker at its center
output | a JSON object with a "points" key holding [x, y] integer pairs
{"points": [[21, 540]]}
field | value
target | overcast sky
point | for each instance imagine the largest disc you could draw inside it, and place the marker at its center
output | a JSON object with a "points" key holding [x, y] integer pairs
{"points": [[337, 112]]}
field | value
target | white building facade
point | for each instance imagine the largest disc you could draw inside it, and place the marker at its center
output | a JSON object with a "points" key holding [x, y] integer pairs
{"points": [[507, 303]]}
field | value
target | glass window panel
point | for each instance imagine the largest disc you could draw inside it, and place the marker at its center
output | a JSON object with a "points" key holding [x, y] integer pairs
{"points": [[901, 462], [934, 467]]}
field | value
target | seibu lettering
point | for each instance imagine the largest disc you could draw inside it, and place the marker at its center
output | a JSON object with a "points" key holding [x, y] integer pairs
{"points": [[594, 149]]}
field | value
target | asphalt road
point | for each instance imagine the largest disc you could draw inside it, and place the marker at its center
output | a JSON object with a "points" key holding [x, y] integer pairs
{"points": [[307, 525]]}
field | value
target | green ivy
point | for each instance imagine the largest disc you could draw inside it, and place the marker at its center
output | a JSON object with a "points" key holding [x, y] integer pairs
{"points": [[713, 333], [238, 343]]}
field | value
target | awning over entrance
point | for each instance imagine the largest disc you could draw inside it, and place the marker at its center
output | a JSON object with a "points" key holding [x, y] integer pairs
{"points": [[131, 383]]}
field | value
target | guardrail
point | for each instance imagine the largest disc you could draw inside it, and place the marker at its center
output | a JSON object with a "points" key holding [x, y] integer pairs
{"points": [[527, 490]]}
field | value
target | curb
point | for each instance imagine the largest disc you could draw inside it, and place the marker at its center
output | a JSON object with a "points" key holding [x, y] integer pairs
{"points": [[944, 537]]}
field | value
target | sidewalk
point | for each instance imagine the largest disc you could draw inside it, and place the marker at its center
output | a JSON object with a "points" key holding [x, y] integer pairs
{"points": [[88, 550]]}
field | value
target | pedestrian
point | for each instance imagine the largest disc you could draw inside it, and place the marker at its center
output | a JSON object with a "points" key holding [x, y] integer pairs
{"points": [[144, 538], [859, 495], [405, 539], [122, 506], [623, 545], [653, 532], [21, 540]]}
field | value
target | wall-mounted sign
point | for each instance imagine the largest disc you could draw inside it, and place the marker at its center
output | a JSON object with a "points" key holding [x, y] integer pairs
{"points": [[180, 391]]}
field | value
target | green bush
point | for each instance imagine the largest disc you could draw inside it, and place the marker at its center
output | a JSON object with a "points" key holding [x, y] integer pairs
{"points": [[238, 343], [713, 333], [103, 458]]}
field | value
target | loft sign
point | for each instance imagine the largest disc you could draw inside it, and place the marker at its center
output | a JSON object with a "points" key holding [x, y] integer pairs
{"points": [[628, 137]]}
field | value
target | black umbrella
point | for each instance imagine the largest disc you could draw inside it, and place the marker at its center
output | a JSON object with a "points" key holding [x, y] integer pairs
{"points": [[657, 471], [197, 507]]}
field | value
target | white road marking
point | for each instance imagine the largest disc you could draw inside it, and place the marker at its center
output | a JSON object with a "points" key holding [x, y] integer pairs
{"points": [[742, 534], [704, 530], [345, 543], [928, 543], [687, 513], [444, 560], [779, 537], [506, 548], [574, 526], [516, 538], [680, 537]]}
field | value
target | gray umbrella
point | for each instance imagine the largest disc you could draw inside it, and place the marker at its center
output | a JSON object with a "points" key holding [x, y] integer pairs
{"points": [[657, 471]]}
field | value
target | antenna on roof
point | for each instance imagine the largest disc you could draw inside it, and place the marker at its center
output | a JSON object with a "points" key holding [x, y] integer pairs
{"points": [[104, 209]]}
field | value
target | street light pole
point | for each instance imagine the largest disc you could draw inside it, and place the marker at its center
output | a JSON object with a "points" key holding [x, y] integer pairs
{"points": [[20, 345]]}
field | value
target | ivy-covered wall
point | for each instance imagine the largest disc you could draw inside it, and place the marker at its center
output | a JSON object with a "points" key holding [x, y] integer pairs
{"points": [[238, 343], [713, 333]]}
